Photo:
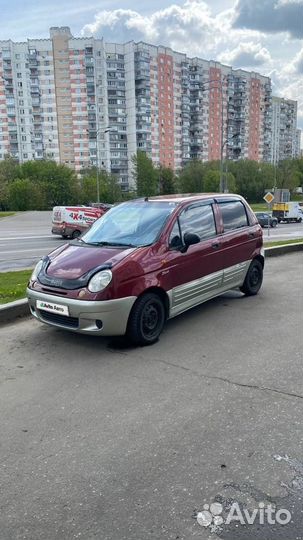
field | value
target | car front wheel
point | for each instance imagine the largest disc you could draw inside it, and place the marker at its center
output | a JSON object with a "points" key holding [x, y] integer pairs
{"points": [[146, 320], [253, 280], [274, 223]]}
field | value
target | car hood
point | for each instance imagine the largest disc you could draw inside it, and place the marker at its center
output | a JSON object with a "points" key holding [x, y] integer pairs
{"points": [[72, 261]]}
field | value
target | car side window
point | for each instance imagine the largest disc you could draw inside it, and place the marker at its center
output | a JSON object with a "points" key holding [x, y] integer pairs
{"points": [[234, 215], [199, 219]]}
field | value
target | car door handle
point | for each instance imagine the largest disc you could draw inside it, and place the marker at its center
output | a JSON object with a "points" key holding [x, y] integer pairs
{"points": [[216, 245], [251, 235]]}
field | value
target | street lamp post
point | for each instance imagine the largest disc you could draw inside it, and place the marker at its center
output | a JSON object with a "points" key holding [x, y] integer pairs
{"points": [[98, 131]]}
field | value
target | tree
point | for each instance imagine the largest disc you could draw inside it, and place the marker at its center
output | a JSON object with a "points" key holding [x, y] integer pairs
{"points": [[212, 181], [191, 177], [9, 170], [109, 187], [289, 175], [58, 181], [167, 182], [145, 175], [23, 195], [251, 178], [299, 169]]}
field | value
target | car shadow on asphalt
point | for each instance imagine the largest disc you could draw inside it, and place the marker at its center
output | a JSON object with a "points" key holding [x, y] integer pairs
{"points": [[122, 344]]}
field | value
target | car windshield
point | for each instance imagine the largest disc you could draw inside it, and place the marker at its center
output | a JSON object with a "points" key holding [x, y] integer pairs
{"points": [[134, 224]]}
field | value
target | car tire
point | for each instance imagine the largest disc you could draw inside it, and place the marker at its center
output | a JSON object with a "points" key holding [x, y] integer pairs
{"points": [[146, 320], [76, 234], [299, 220], [253, 279], [274, 224]]}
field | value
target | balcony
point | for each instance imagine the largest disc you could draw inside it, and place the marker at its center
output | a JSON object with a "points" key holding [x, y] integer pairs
{"points": [[8, 84]]}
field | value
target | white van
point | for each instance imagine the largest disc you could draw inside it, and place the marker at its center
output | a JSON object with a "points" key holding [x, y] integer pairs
{"points": [[71, 221]]}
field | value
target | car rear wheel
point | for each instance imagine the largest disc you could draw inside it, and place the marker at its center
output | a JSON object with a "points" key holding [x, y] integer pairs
{"points": [[146, 320], [253, 280], [299, 220], [76, 234]]}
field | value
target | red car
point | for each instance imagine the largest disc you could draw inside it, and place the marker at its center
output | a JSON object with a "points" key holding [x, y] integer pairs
{"points": [[146, 261]]}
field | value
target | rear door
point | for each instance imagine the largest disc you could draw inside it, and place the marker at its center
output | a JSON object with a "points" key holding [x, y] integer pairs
{"points": [[239, 241], [197, 274]]}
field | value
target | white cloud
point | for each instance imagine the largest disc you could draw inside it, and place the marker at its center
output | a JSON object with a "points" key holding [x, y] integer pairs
{"points": [[190, 27], [296, 66], [247, 54], [193, 28]]}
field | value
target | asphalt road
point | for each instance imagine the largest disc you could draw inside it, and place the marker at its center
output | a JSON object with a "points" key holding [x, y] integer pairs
{"points": [[26, 237], [283, 231], [102, 441]]}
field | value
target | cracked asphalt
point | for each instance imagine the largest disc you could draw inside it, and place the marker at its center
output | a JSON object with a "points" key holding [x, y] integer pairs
{"points": [[103, 441]]}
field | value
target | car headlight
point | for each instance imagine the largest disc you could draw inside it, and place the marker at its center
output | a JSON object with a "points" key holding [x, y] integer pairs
{"points": [[100, 280], [36, 271]]}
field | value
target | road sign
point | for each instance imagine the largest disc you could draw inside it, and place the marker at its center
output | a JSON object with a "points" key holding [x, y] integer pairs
{"points": [[268, 197]]}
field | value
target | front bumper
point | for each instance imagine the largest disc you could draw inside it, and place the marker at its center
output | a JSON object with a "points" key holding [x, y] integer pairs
{"points": [[104, 318], [58, 229]]}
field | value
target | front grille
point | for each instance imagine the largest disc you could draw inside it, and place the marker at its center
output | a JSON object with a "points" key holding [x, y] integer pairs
{"points": [[52, 291], [63, 320]]}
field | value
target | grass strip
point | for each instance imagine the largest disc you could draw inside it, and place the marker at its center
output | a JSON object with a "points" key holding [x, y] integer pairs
{"points": [[13, 285], [283, 242], [6, 214]]}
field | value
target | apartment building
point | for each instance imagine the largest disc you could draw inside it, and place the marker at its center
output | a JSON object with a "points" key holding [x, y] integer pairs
{"points": [[298, 143], [84, 102], [285, 144]]}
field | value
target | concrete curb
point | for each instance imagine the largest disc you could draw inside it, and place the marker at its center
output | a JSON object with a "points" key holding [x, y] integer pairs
{"points": [[273, 251], [20, 308], [13, 310]]}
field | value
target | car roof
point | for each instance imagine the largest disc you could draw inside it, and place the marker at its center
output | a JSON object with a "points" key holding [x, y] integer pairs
{"points": [[186, 197]]}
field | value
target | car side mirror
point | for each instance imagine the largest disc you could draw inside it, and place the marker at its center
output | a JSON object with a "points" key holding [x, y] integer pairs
{"points": [[190, 239]]}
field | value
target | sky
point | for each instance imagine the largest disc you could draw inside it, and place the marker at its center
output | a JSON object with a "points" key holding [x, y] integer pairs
{"points": [[260, 35]]}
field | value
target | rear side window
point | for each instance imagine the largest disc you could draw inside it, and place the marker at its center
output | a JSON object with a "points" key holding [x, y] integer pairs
{"points": [[234, 215], [199, 220]]}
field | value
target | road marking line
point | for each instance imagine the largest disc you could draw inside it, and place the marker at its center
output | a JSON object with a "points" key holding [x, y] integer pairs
{"points": [[24, 237], [21, 251]]}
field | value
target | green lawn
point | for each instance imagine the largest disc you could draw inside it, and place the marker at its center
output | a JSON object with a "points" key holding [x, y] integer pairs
{"points": [[6, 214], [259, 207], [283, 242], [13, 285]]}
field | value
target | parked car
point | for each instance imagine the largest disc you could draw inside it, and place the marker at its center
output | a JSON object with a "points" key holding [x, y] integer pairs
{"points": [[264, 218], [146, 261]]}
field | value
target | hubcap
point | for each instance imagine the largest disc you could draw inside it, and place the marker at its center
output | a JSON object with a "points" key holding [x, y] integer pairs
{"points": [[255, 277], [151, 319]]}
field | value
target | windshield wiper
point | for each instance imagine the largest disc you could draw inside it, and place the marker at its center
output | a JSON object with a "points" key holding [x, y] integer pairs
{"points": [[115, 244]]}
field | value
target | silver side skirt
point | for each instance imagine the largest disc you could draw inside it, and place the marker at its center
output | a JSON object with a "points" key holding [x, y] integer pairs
{"points": [[200, 290]]}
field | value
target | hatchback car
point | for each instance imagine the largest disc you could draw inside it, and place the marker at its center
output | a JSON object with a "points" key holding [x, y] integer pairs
{"points": [[266, 219], [146, 261]]}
